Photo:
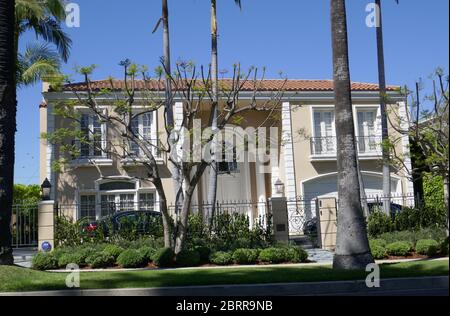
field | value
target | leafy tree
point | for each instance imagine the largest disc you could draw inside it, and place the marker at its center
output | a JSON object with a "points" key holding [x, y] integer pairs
{"points": [[44, 18], [426, 123], [352, 249], [26, 194]]}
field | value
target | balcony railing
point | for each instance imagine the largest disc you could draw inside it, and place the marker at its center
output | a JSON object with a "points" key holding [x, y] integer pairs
{"points": [[102, 149], [135, 151], [96, 149], [327, 146]]}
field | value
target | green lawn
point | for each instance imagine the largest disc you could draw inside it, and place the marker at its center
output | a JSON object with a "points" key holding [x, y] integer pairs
{"points": [[13, 279]]}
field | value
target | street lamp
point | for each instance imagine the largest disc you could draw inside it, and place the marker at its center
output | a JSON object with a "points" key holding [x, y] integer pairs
{"points": [[279, 187], [46, 188]]}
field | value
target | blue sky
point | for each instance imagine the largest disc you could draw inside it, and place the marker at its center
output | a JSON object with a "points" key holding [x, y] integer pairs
{"points": [[292, 36]]}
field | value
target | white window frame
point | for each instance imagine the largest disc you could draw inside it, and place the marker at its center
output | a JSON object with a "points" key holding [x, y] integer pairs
{"points": [[321, 109], [91, 116], [139, 115]]}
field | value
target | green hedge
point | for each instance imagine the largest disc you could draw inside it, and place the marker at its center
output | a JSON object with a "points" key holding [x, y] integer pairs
{"points": [[100, 260], [113, 250], [379, 223], [188, 258], [399, 248], [428, 247], [131, 258], [44, 261], [221, 258], [273, 255], [245, 256], [164, 257]]}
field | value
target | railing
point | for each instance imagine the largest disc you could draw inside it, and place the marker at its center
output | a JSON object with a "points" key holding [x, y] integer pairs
{"points": [[95, 149], [327, 146], [102, 149], [24, 225], [134, 151]]}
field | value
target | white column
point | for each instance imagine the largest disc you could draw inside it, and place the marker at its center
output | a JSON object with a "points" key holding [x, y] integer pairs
{"points": [[260, 188], [404, 126], [288, 151]]}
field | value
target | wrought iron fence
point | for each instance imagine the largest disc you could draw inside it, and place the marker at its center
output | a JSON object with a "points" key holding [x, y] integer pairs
{"points": [[257, 212], [24, 225]]}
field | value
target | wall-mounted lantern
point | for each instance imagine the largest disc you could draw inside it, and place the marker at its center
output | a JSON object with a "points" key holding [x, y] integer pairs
{"points": [[46, 188]]}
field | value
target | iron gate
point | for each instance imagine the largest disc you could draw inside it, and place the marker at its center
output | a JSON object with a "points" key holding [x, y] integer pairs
{"points": [[24, 225]]}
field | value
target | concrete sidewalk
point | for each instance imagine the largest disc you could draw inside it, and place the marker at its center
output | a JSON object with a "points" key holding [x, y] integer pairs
{"points": [[24, 256], [405, 286]]}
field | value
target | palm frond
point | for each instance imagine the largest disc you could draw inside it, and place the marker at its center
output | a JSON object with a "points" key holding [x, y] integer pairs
{"points": [[44, 17], [50, 31], [37, 62]]}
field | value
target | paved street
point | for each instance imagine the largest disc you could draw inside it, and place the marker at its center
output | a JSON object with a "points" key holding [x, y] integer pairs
{"points": [[428, 286]]}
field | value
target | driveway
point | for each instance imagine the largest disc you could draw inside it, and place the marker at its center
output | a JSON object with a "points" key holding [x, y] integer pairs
{"points": [[23, 256]]}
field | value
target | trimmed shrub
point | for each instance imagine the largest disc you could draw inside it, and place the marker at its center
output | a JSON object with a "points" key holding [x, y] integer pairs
{"points": [[100, 260], [245, 256], [378, 252], [148, 253], [188, 258], [273, 255], [113, 250], [164, 257], [296, 254], [204, 252], [444, 247], [377, 242], [427, 247], [414, 236], [399, 248], [68, 258], [221, 258], [379, 223], [131, 258], [44, 261]]}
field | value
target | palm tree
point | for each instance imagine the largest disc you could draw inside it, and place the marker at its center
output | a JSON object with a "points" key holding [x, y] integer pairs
{"points": [[352, 249], [44, 18], [212, 188], [36, 63], [383, 110], [7, 127]]}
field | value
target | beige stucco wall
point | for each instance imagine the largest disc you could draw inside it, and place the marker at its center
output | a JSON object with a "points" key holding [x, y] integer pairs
{"points": [[307, 169]]}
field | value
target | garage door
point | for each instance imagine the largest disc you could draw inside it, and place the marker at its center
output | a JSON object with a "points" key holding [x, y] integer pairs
{"points": [[327, 187]]}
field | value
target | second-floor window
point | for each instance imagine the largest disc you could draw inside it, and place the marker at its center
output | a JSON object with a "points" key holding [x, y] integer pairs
{"points": [[93, 132], [324, 140], [367, 134], [142, 127]]}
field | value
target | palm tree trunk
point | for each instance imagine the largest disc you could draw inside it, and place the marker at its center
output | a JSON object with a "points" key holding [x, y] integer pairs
{"points": [[170, 121], [384, 120], [352, 249], [7, 126], [212, 188]]}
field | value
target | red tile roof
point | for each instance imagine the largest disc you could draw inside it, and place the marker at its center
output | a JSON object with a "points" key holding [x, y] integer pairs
{"points": [[267, 85]]}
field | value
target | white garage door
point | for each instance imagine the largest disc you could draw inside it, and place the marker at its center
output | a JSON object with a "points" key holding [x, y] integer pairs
{"points": [[327, 187]]}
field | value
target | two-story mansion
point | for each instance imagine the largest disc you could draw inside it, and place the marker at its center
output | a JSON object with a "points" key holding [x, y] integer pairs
{"points": [[306, 164]]}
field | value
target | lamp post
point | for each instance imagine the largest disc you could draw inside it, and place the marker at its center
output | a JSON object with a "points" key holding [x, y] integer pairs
{"points": [[46, 188], [279, 188]]}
